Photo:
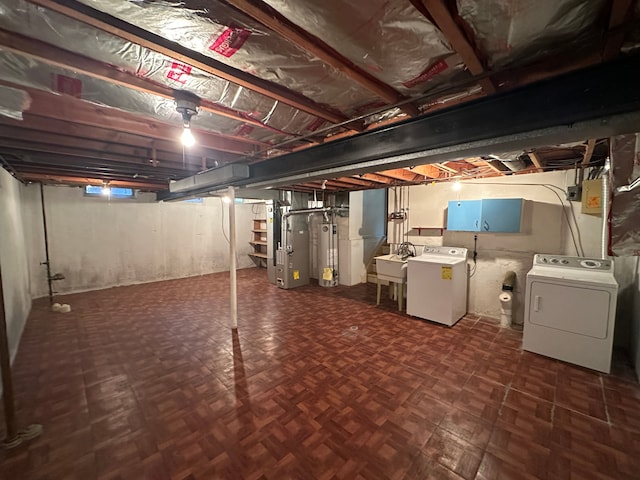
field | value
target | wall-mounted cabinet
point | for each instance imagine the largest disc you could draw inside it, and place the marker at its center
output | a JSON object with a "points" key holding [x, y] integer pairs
{"points": [[494, 215]]}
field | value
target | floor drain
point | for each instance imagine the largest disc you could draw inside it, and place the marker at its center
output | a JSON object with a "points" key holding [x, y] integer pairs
{"points": [[354, 327]]}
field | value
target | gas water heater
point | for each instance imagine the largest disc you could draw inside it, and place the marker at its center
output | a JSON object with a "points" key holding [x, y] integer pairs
{"points": [[328, 255]]}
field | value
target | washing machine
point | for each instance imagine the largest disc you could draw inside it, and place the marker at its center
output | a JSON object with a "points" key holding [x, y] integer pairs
{"points": [[570, 310], [437, 284]]}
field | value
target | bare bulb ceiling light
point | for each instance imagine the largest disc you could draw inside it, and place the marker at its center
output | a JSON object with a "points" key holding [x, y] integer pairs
{"points": [[188, 140], [187, 105]]}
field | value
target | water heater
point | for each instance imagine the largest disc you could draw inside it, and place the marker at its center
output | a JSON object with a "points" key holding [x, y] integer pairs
{"points": [[328, 255]]}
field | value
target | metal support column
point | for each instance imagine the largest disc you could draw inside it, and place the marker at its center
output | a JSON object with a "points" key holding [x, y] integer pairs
{"points": [[233, 260]]}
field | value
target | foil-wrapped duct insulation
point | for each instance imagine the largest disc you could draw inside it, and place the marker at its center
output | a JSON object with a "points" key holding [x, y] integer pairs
{"points": [[235, 39], [13, 102], [69, 34], [390, 39], [513, 32], [625, 201], [24, 71]]}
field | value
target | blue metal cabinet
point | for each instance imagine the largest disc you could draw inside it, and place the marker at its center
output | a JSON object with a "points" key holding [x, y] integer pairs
{"points": [[495, 215], [464, 215], [501, 215]]}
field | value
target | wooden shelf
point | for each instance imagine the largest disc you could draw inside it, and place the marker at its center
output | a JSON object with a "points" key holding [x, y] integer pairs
{"points": [[259, 242]]}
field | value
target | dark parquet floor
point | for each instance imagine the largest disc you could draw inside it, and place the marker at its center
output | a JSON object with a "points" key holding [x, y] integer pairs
{"points": [[148, 382]]}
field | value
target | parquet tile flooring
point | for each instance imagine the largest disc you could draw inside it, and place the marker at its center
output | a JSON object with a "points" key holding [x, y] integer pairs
{"points": [[149, 382]]}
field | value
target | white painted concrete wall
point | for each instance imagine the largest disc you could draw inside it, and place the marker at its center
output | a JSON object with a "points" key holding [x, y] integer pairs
{"points": [[545, 230], [13, 259], [100, 242]]}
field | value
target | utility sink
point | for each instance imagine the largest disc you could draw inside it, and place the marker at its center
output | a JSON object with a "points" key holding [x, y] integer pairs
{"points": [[391, 267]]}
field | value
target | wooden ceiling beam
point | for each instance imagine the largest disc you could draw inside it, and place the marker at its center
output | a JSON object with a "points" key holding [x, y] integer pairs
{"points": [[63, 161], [165, 149], [276, 22], [430, 171], [376, 177], [401, 174], [157, 43], [535, 158], [54, 56], [445, 22], [24, 139], [80, 172], [491, 165], [66, 108], [67, 180], [445, 169], [588, 151], [358, 181]]}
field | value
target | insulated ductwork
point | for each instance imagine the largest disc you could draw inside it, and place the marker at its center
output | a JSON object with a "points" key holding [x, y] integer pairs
{"points": [[511, 160], [514, 32]]}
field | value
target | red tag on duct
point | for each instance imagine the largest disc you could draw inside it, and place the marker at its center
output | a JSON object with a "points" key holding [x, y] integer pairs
{"points": [[179, 72], [69, 86], [230, 41], [430, 72]]}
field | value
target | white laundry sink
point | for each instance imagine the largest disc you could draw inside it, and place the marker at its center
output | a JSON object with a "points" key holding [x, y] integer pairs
{"points": [[391, 267]]}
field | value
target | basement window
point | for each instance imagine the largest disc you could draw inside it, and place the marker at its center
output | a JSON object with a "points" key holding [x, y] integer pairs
{"points": [[110, 192]]}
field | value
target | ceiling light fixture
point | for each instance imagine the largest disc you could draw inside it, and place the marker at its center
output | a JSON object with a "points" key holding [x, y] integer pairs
{"points": [[187, 105], [456, 185]]}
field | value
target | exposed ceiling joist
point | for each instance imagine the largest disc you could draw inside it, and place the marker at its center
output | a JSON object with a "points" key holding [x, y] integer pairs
{"points": [[25, 157], [64, 107], [376, 177], [73, 132], [81, 181], [588, 151], [134, 34], [401, 174], [273, 20], [538, 114], [536, 160], [430, 171], [58, 57], [357, 182], [445, 22]]}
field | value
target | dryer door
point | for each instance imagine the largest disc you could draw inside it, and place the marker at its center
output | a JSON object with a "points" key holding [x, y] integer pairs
{"points": [[581, 310]]}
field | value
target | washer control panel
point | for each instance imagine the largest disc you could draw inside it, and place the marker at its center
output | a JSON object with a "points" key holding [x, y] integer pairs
{"points": [[572, 262], [446, 251]]}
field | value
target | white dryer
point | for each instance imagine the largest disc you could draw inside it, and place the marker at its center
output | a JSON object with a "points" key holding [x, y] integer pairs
{"points": [[570, 310], [437, 284]]}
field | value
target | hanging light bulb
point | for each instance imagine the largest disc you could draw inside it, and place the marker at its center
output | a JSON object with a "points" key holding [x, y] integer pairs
{"points": [[456, 186], [187, 106], [188, 140]]}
